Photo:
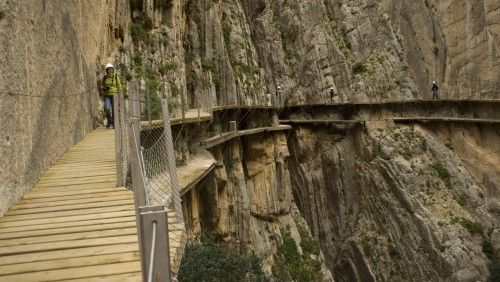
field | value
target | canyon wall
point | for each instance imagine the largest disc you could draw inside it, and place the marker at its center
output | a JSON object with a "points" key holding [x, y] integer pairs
{"points": [[398, 202], [51, 56]]}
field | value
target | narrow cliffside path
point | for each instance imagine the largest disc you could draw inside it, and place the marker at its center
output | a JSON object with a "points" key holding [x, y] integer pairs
{"points": [[74, 224]]}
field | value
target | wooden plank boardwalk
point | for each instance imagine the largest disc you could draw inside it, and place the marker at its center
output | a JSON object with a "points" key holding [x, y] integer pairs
{"points": [[444, 119], [226, 136], [74, 224]]}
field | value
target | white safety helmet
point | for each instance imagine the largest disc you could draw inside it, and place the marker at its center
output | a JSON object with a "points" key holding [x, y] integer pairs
{"points": [[109, 65], [279, 87], [433, 82]]}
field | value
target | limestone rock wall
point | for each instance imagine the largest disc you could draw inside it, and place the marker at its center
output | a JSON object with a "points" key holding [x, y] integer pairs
{"points": [[230, 52], [51, 56], [399, 203], [248, 203]]}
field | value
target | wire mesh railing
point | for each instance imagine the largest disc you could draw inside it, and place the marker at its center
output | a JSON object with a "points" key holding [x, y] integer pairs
{"points": [[148, 157]]}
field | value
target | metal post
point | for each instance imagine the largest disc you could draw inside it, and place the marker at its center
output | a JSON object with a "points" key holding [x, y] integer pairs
{"points": [[123, 135], [148, 104], [169, 147], [156, 247], [138, 185], [233, 126], [118, 137], [183, 107]]}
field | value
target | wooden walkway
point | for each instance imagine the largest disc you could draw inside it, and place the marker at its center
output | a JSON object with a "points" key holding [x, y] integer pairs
{"points": [[226, 136], [191, 117], [74, 224], [444, 119]]}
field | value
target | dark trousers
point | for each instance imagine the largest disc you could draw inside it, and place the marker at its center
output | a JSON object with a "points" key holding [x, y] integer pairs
{"points": [[434, 94], [109, 109]]}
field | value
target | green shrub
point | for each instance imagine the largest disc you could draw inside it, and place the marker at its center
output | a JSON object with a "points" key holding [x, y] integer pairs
{"points": [[494, 268], [367, 247], [393, 251], [207, 261], [290, 265], [308, 244], [423, 144], [471, 226], [461, 200], [358, 68], [138, 31], [442, 172], [488, 249], [164, 69], [2, 14], [436, 51], [216, 78], [174, 90], [137, 59], [122, 49], [206, 66], [226, 33]]}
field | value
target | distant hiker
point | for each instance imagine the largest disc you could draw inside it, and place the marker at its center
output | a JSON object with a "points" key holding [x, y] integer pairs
{"points": [[434, 89], [332, 91], [279, 96], [110, 86]]}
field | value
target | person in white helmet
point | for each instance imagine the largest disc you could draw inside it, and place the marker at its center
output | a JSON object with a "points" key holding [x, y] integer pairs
{"points": [[279, 95], [111, 86], [333, 92], [434, 89]]}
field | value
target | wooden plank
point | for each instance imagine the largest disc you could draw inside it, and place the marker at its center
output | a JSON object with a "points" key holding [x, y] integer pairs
{"points": [[68, 181], [68, 167], [68, 263], [68, 213], [77, 164], [68, 236], [82, 186], [130, 277], [74, 197], [80, 173], [50, 194], [68, 230], [64, 245], [73, 273], [82, 223], [67, 219], [72, 202], [84, 206]]}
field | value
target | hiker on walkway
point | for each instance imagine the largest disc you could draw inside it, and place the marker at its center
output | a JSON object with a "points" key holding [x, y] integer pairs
{"points": [[332, 91], [279, 96], [434, 89], [110, 86]]}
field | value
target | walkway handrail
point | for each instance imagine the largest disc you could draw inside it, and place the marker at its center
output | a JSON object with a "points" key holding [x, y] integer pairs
{"points": [[156, 193]]}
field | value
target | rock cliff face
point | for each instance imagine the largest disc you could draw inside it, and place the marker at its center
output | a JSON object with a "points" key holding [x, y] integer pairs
{"points": [[385, 202], [50, 53], [241, 50], [248, 204], [399, 203]]}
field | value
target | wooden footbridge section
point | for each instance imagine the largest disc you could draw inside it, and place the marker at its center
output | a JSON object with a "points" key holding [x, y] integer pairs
{"points": [[75, 223]]}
